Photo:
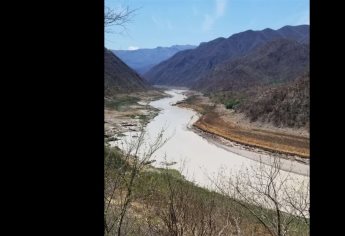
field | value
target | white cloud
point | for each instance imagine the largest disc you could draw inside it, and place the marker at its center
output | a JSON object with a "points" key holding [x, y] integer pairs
{"points": [[131, 48], [209, 20], [220, 7]]}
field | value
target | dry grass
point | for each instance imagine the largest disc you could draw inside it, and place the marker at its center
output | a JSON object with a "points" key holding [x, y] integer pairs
{"points": [[212, 122]]}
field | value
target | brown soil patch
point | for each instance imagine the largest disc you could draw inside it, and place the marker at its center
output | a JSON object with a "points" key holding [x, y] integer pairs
{"points": [[219, 122]]}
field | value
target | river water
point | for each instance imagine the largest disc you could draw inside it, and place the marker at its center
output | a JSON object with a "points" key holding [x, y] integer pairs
{"points": [[198, 159]]}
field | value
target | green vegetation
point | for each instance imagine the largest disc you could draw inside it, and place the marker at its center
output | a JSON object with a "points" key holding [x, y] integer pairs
{"points": [[113, 159], [142, 117], [230, 99], [119, 103], [231, 103]]}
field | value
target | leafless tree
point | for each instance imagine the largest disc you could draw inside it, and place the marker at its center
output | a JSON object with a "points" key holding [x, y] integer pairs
{"points": [[297, 198], [265, 193], [119, 17], [121, 174], [183, 210]]}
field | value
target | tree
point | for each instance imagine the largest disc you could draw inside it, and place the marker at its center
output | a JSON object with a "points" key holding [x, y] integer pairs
{"points": [[268, 195], [117, 17], [122, 169], [181, 208]]}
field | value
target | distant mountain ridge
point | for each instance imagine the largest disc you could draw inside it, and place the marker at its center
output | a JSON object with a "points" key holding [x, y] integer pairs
{"points": [[277, 61], [187, 68], [142, 60], [118, 77]]}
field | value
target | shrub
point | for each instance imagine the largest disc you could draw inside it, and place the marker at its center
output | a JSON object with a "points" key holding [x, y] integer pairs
{"points": [[231, 103]]}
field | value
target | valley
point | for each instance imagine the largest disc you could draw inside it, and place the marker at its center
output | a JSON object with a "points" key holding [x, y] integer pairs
{"points": [[201, 155], [193, 167], [210, 139], [251, 88]]}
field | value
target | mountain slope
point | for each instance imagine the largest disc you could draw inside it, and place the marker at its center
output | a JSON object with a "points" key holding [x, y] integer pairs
{"points": [[142, 60], [286, 105], [185, 68], [277, 61], [118, 77]]}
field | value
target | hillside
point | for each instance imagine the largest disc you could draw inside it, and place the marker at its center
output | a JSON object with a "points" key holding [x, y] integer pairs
{"points": [[118, 77], [286, 105], [275, 62], [142, 60], [186, 68]]}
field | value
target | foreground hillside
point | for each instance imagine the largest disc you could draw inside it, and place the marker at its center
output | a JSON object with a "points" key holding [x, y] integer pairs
{"points": [[118, 77], [143, 200]]}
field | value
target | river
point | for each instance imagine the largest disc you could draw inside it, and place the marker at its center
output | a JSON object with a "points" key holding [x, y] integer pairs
{"points": [[198, 159]]}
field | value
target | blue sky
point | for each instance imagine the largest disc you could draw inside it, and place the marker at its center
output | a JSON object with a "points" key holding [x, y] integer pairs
{"points": [[170, 22]]}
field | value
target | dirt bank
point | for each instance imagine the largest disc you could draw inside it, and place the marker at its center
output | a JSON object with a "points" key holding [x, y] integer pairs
{"points": [[216, 120]]}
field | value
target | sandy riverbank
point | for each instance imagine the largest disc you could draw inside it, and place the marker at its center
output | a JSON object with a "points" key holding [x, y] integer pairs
{"points": [[288, 162], [130, 112], [218, 120]]}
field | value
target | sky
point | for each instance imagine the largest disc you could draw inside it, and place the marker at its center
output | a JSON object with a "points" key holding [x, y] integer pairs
{"points": [[178, 22]]}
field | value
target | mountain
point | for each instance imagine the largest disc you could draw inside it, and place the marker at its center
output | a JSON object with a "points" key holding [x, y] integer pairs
{"points": [[285, 105], [186, 68], [277, 61], [270, 84], [118, 77], [142, 60]]}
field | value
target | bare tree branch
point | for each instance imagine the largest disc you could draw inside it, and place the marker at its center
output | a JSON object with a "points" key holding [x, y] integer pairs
{"points": [[264, 191], [119, 17]]}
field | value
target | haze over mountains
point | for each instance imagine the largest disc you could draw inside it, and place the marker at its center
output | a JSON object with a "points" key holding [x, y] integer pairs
{"points": [[142, 60], [187, 68], [118, 77]]}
